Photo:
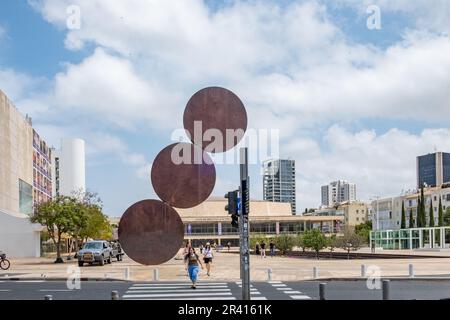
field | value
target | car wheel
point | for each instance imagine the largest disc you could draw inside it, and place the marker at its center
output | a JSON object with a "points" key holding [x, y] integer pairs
{"points": [[102, 261], [80, 263]]}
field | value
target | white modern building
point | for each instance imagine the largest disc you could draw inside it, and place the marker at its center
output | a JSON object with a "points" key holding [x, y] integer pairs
{"points": [[31, 173], [69, 167], [279, 182], [18, 237], [23, 180], [387, 212], [338, 192]]}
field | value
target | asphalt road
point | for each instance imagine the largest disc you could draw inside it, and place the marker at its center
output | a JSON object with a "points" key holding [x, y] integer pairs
{"points": [[301, 290]]}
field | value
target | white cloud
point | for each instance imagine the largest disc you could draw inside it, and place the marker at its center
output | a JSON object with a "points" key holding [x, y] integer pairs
{"points": [[291, 65], [429, 15], [16, 85], [381, 165], [109, 88]]}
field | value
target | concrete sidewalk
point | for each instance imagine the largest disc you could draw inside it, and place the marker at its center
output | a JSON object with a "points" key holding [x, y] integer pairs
{"points": [[226, 268]]}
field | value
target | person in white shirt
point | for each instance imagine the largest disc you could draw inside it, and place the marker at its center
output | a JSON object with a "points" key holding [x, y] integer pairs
{"points": [[207, 257]]}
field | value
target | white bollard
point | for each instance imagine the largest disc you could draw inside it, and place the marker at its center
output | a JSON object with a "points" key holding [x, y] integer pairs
{"points": [[269, 274], [156, 274], [316, 272], [363, 271], [411, 270], [127, 273]]}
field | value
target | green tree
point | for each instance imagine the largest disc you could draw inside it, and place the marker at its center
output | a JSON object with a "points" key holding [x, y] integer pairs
{"points": [[351, 241], [419, 214], [364, 230], [411, 218], [333, 243], [403, 223], [254, 239], [300, 242], [57, 216], [284, 243], [441, 214], [447, 217], [315, 240], [423, 221], [98, 226], [431, 215]]}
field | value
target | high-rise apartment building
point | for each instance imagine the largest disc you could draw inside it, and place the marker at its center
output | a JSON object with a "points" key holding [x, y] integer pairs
{"points": [[338, 192], [42, 170], [433, 170], [279, 182]]}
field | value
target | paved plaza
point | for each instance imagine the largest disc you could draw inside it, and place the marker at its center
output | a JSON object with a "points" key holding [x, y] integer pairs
{"points": [[226, 268]]}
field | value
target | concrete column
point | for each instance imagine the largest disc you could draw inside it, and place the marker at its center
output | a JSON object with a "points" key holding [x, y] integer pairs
{"points": [[442, 238], [431, 238], [420, 239], [277, 228], [410, 239]]}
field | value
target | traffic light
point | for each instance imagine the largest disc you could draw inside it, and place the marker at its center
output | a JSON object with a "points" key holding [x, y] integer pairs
{"points": [[233, 208]]}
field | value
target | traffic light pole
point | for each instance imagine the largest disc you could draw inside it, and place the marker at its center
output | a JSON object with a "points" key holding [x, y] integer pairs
{"points": [[243, 224]]}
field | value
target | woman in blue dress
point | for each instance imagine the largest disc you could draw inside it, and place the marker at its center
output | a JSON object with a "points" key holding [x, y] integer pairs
{"points": [[192, 261]]}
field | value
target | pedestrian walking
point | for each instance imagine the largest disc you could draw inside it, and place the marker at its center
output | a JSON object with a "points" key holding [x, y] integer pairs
{"points": [[263, 249], [208, 257], [272, 248], [229, 246], [201, 249], [257, 249], [186, 248], [192, 261]]}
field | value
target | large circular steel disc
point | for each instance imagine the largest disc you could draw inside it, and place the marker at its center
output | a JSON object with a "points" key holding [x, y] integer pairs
{"points": [[215, 111], [183, 175], [151, 232]]}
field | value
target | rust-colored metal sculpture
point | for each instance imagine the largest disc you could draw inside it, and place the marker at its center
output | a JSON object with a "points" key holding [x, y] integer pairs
{"points": [[217, 110], [151, 232], [183, 175]]}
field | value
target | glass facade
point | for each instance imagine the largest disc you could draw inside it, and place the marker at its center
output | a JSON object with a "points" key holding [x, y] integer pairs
{"points": [[204, 228], [25, 197], [446, 167], [291, 227], [265, 228], [427, 170], [279, 182], [417, 238]]}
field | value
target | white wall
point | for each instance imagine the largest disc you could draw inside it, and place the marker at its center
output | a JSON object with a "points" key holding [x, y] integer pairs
{"points": [[72, 168], [18, 237]]}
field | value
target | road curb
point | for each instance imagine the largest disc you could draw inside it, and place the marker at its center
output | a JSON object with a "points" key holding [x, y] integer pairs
{"points": [[382, 278], [12, 279]]}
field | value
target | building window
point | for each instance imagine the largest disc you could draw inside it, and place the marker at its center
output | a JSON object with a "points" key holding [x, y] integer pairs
{"points": [[25, 197]]}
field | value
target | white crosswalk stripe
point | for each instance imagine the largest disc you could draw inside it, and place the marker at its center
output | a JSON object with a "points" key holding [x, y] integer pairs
{"points": [[183, 291], [293, 294]]}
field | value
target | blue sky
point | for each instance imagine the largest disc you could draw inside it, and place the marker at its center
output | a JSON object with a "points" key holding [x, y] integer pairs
{"points": [[348, 102]]}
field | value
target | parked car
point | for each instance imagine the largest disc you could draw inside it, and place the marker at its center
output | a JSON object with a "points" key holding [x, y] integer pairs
{"points": [[95, 252], [117, 250]]}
